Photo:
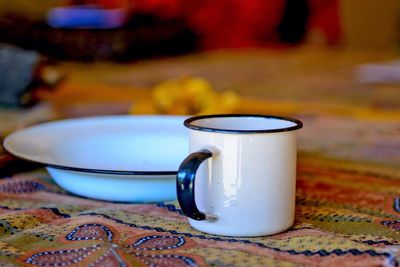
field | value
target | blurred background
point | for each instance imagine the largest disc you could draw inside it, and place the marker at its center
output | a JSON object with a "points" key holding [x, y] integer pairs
{"points": [[87, 57], [127, 29]]}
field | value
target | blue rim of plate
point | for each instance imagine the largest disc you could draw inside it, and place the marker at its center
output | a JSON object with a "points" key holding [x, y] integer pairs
{"points": [[88, 170], [99, 171]]}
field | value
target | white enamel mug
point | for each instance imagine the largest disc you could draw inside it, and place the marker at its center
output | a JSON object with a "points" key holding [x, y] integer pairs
{"points": [[240, 178]]}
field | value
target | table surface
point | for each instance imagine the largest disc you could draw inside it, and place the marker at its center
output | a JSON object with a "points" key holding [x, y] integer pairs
{"points": [[348, 184]]}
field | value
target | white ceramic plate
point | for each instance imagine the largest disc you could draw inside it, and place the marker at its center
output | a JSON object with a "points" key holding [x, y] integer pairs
{"points": [[117, 158]]}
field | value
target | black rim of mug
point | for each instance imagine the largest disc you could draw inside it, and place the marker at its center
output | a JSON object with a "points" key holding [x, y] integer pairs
{"points": [[189, 124]]}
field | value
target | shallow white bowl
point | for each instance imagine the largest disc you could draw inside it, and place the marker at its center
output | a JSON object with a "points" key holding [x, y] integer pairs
{"points": [[117, 158]]}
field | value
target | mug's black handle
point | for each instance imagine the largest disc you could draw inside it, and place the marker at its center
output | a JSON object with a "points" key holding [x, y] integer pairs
{"points": [[185, 185]]}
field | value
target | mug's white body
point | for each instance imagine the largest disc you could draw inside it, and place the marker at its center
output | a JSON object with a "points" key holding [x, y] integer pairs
{"points": [[249, 183]]}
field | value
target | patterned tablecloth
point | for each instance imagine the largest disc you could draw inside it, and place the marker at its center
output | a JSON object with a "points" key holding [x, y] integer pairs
{"points": [[348, 187]]}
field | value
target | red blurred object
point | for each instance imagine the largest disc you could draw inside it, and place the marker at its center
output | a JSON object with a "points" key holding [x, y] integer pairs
{"points": [[227, 23], [223, 23], [324, 16]]}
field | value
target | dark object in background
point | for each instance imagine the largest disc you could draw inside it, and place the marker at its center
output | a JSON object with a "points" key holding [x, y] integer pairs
{"points": [[293, 26], [142, 37], [22, 72], [17, 69]]}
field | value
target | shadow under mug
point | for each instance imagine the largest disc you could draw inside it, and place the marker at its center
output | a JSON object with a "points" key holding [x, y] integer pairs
{"points": [[240, 178]]}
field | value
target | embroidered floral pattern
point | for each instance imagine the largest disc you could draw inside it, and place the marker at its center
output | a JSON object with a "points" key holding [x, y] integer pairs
{"points": [[395, 225], [110, 253], [21, 187]]}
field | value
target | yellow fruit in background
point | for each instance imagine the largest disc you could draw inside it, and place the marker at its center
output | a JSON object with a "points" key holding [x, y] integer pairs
{"points": [[195, 92], [189, 95], [222, 103]]}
